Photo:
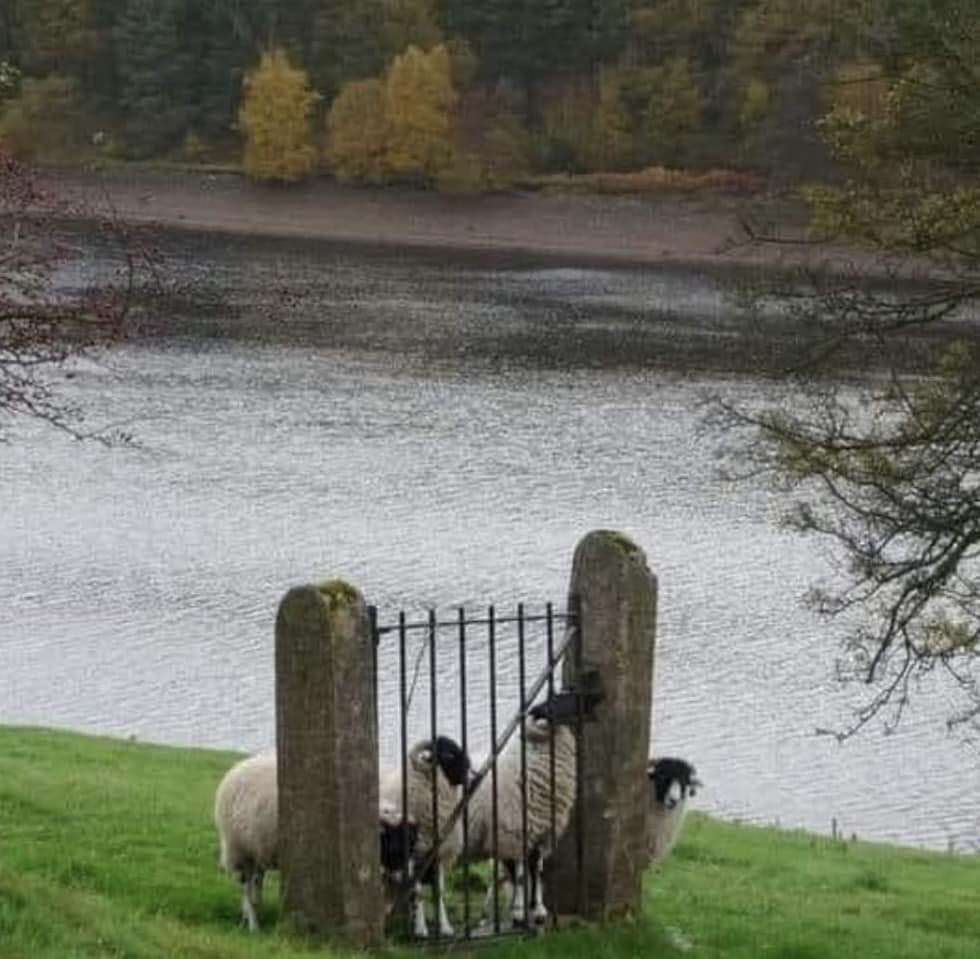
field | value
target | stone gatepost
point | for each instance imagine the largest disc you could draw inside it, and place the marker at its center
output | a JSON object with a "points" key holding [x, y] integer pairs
{"points": [[600, 876], [327, 742]]}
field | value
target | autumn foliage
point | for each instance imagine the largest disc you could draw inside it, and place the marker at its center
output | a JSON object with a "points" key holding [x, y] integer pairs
{"points": [[275, 118], [565, 86], [399, 126], [419, 98], [357, 131]]}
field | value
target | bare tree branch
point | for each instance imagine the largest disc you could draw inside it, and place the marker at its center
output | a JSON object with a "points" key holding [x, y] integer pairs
{"points": [[44, 324]]}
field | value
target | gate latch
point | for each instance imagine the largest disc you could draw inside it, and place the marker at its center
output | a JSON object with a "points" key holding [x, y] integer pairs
{"points": [[580, 699]]}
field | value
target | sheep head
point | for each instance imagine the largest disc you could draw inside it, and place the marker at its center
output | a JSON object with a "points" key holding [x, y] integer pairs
{"points": [[398, 842], [450, 757], [672, 780]]}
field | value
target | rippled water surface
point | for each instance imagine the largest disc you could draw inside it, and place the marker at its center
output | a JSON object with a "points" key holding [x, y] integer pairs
{"points": [[438, 433]]}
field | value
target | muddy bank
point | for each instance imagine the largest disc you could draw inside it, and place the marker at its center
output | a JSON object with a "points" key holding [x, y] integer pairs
{"points": [[651, 229]]}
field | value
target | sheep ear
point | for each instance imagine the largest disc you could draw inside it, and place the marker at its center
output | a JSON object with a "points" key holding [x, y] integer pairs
{"points": [[651, 767], [425, 756]]}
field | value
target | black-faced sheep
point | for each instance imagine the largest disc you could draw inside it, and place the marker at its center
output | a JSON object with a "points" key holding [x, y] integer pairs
{"points": [[547, 817], [446, 762], [671, 783]]}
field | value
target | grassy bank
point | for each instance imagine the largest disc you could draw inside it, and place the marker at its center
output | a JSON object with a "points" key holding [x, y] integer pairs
{"points": [[107, 849]]}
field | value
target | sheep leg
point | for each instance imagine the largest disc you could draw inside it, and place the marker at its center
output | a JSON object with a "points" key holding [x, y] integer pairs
{"points": [[251, 883], [420, 928], [445, 926], [492, 915], [508, 882], [539, 911], [518, 909], [488, 903]]}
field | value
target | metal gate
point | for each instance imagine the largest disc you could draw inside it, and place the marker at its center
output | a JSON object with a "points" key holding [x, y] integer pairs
{"points": [[449, 822]]}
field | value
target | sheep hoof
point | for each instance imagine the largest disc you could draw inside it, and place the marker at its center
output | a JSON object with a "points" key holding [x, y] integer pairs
{"points": [[486, 927]]}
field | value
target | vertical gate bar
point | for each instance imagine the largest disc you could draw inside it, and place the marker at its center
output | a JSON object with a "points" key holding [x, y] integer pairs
{"points": [[495, 878], [403, 684], [523, 703], [375, 642], [433, 718], [579, 759], [552, 776], [464, 742]]}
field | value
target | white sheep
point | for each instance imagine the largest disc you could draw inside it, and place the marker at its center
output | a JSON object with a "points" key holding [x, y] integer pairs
{"points": [[671, 783], [449, 764], [546, 721], [247, 817], [246, 813]]}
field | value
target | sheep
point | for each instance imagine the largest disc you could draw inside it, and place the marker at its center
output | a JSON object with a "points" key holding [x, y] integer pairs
{"points": [[246, 813], [398, 842], [546, 721], [450, 766], [671, 782], [247, 818]]}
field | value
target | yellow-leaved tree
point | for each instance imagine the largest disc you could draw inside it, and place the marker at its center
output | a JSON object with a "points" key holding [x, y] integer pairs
{"points": [[356, 130], [275, 118], [419, 100]]}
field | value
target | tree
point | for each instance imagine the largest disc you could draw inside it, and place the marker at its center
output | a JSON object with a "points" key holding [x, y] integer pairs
{"points": [[408, 23], [156, 71], [419, 99], [275, 118], [664, 107], [789, 48], [57, 37], [42, 325], [356, 131], [347, 44], [218, 55], [9, 80], [890, 472], [700, 30], [397, 126], [40, 121], [489, 149], [527, 43], [67, 39], [612, 145]]}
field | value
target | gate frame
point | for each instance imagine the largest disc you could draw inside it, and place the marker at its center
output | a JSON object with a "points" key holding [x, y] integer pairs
{"points": [[555, 657], [326, 732]]}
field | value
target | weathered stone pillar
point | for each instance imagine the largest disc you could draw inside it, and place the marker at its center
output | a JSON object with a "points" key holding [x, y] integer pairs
{"points": [[617, 599], [327, 742]]}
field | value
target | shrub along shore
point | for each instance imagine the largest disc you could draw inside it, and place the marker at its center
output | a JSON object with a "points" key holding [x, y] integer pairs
{"points": [[107, 848]]}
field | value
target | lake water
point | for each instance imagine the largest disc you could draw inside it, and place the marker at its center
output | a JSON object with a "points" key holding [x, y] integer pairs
{"points": [[439, 431]]}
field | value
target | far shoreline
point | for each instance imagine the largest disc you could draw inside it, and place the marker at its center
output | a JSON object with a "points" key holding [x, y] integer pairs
{"points": [[667, 232], [662, 231]]}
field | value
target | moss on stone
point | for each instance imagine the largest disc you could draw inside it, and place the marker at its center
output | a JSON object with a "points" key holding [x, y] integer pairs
{"points": [[337, 592], [622, 541]]}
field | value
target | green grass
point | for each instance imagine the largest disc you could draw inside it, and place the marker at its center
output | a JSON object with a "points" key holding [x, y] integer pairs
{"points": [[107, 850]]}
